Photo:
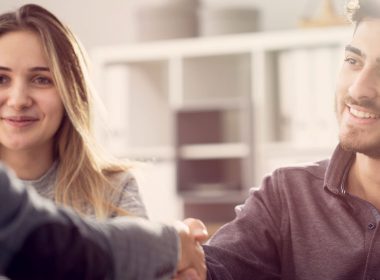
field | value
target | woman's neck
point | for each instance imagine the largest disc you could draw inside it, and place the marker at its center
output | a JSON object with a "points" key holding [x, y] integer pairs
{"points": [[28, 165]]}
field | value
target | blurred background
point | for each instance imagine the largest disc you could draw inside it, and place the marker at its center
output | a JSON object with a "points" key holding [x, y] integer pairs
{"points": [[99, 22], [209, 96]]}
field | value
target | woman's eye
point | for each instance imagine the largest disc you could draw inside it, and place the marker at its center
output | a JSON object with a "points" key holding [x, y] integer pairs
{"points": [[4, 79], [42, 81]]}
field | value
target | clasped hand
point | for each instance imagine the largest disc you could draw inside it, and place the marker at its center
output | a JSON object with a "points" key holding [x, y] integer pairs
{"points": [[192, 233]]}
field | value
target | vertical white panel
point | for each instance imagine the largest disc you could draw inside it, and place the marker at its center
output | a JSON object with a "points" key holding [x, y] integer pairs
{"points": [[158, 190], [116, 99], [287, 81], [304, 99], [325, 132]]}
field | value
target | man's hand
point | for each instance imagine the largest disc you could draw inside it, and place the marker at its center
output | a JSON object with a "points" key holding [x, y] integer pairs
{"points": [[197, 229], [192, 233]]}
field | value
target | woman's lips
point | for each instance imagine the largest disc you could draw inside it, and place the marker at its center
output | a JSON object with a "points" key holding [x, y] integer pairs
{"points": [[19, 121]]}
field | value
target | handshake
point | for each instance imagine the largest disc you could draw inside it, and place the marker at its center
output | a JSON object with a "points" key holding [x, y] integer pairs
{"points": [[191, 264], [39, 237]]}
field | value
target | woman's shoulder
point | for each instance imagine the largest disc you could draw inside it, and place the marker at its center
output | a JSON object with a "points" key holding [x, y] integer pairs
{"points": [[124, 180], [128, 196]]}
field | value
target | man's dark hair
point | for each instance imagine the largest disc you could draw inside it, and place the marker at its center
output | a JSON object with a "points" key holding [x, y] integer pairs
{"points": [[357, 10]]}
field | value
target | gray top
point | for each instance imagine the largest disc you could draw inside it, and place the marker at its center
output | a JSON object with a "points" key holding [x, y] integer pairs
{"points": [[139, 249], [129, 199], [301, 224]]}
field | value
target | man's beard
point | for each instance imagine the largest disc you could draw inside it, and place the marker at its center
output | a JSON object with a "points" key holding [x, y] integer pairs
{"points": [[351, 141]]}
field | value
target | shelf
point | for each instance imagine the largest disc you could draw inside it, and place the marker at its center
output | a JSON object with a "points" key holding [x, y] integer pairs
{"points": [[224, 111], [216, 78], [214, 212], [149, 153], [215, 195], [209, 126], [232, 103], [222, 45], [214, 151], [210, 175]]}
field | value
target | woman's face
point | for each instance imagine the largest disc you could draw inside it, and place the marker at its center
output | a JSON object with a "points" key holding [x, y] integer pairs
{"points": [[31, 109]]}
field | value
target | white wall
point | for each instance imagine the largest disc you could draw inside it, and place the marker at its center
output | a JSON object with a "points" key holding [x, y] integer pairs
{"points": [[100, 22], [95, 22]]}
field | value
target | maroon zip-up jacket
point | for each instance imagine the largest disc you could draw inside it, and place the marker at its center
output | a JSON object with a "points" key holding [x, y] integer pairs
{"points": [[301, 224]]}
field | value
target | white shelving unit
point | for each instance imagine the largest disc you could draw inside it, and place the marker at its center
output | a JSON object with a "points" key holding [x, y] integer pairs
{"points": [[222, 110]]}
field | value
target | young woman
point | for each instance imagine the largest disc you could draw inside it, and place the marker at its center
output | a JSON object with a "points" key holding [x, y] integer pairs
{"points": [[45, 117]]}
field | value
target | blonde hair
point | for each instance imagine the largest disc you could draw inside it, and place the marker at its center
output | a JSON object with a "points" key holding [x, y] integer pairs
{"points": [[84, 175]]}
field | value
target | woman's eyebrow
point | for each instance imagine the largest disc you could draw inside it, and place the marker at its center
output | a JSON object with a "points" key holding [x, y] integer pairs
{"points": [[39, 68], [33, 69], [3, 68]]}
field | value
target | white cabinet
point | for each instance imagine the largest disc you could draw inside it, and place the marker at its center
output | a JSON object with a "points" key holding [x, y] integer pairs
{"points": [[223, 110]]}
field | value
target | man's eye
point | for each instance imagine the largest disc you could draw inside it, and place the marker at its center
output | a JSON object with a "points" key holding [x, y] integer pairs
{"points": [[350, 60]]}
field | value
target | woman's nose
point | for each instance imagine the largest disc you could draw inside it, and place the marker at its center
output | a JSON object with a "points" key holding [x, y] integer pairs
{"points": [[18, 97]]}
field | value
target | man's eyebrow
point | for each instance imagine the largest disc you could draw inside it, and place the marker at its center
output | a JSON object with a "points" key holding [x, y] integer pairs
{"points": [[354, 50], [358, 52]]}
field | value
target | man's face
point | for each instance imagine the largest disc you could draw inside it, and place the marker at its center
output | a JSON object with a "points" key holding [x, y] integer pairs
{"points": [[358, 91]]}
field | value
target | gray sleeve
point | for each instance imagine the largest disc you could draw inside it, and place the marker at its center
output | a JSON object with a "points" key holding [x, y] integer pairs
{"points": [[130, 198], [21, 211], [150, 251], [140, 249]]}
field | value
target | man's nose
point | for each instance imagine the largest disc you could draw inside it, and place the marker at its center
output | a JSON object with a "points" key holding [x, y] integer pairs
{"points": [[365, 85]]}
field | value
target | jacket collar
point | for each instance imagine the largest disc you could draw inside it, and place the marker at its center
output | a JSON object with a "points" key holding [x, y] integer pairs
{"points": [[337, 170]]}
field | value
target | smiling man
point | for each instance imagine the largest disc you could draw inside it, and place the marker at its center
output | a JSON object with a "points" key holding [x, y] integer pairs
{"points": [[320, 221]]}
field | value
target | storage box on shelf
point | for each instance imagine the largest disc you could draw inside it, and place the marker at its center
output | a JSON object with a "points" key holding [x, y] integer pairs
{"points": [[136, 98], [212, 127], [221, 109], [211, 153]]}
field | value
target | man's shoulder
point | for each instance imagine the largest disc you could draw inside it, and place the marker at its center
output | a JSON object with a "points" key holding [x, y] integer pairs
{"points": [[296, 180], [302, 173]]}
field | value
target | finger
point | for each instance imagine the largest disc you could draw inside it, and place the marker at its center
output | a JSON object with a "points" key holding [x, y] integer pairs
{"points": [[186, 243], [199, 262], [191, 252], [188, 274], [182, 227], [197, 228]]}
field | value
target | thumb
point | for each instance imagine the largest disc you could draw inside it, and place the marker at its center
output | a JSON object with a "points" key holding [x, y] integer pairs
{"points": [[197, 229]]}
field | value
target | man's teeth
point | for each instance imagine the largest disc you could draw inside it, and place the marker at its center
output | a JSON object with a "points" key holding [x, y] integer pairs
{"points": [[363, 115]]}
